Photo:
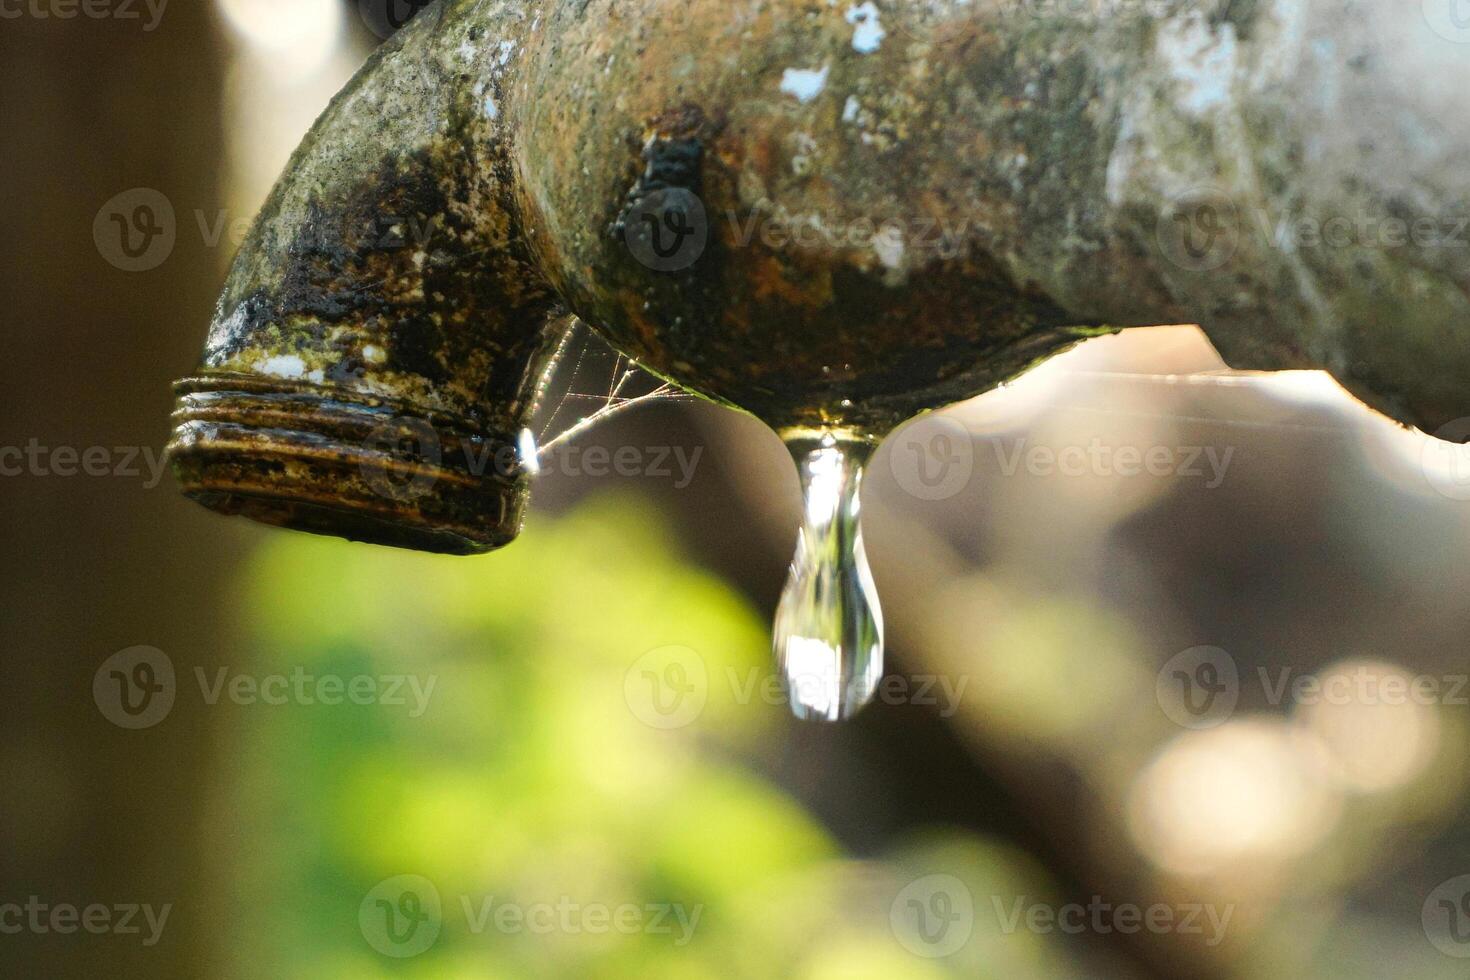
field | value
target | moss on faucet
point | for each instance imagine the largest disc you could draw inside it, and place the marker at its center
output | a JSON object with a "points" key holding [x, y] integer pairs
{"points": [[826, 216]]}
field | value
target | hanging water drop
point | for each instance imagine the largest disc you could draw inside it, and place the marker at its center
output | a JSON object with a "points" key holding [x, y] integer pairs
{"points": [[829, 627]]}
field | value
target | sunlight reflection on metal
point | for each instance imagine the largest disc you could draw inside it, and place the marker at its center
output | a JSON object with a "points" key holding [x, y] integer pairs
{"points": [[1306, 387]]}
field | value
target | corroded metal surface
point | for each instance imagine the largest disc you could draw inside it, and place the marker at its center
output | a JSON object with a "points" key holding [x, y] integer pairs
{"points": [[839, 214], [381, 340], [389, 259], [1041, 165], [362, 467]]}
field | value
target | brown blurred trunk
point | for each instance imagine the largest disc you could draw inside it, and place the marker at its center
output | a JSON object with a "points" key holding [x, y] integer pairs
{"points": [[93, 813]]}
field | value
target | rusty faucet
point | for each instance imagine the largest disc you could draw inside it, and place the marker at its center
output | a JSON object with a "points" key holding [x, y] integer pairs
{"points": [[831, 214]]}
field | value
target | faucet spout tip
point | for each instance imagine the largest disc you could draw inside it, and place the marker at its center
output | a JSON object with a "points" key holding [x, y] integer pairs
{"points": [[331, 461]]}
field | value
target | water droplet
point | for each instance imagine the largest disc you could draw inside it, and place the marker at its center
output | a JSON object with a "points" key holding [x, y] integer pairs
{"points": [[829, 627]]}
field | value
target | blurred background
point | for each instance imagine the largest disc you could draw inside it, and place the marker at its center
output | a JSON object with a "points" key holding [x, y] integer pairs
{"points": [[1178, 673]]}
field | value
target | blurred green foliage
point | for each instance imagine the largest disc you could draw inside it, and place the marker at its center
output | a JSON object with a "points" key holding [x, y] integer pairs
{"points": [[530, 779]]}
